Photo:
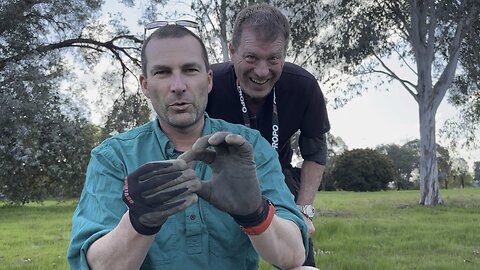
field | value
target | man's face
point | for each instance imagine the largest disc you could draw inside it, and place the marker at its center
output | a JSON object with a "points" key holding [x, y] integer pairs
{"points": [[177, 82], [258, 64]]}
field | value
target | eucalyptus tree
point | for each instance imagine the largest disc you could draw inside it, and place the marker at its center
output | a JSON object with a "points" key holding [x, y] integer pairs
{"points": [[444, 161], [464, 129], [428, 38]]}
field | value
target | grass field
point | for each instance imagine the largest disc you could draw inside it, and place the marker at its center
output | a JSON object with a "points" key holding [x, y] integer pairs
{"points": [[376, 230]]}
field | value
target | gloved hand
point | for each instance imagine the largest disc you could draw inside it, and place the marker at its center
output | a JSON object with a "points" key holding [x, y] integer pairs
{"points": [[234, 187], [157, 190]]}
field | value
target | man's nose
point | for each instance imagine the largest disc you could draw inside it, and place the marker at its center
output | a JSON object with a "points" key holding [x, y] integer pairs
{"points": [[262, 69], [178, 83]]}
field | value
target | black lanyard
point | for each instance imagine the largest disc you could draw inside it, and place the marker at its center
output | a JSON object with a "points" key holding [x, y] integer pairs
{"points": [[275, 124]]}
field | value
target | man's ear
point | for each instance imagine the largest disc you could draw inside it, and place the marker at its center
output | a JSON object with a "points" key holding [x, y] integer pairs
{"points": [[231, 49], [210, 80], [143, 85]]}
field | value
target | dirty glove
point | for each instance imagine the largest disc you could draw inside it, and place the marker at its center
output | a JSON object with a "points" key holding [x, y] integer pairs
{"points": [[234, 187], [157, 190]]}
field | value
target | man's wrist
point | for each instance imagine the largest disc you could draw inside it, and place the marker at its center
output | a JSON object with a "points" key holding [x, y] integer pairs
{"points": [[257, 222], [141, 228], [262, 227], [307, 210]]}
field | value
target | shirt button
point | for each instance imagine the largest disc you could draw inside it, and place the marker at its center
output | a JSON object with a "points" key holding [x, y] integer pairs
{"points": [[193, 217]]}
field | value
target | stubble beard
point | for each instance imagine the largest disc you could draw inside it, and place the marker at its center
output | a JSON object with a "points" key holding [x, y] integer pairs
{"points": [[182, 120]]}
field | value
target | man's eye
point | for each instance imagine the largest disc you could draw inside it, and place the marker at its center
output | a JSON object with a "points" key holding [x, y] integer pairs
{"points": [[274, 60], [192, 70], [160, 72], [250, 58]]}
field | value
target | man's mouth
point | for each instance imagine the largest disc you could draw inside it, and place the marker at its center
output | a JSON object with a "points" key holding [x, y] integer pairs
{"points": [[180, 105], [260, 82]]}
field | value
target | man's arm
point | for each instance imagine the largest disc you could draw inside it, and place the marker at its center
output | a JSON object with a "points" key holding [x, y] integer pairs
{"points": [[234, 188], [281, 244], [122, 248], [314, 152], [311, 178], [169, 186]]}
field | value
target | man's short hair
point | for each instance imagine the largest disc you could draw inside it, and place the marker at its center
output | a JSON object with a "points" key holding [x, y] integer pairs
{"points": [[171, 31], [266, 21]]}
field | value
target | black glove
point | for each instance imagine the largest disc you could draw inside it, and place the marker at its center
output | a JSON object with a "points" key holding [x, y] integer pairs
{"points": [[234, 187], [157, 190]]}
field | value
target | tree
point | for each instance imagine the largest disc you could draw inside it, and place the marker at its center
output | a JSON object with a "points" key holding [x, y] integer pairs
{"points": [[336, 147], [43, 152], [465, 94], [46, 137], [363, 170], [217, 18], [127, 112], [442, 154], [404, 159], [428, 37], [476, 170], [34, 29], [460, 169]]}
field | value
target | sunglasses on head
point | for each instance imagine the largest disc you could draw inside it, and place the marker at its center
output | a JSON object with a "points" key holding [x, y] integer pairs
{"points": [[158, 24]]}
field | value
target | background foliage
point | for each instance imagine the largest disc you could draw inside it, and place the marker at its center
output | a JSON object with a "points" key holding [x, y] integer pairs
{"points": [[363, 170], [47, 47]]}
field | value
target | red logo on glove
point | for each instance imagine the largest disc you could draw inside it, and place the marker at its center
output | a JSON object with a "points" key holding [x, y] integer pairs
{"points": [[125, 192]]}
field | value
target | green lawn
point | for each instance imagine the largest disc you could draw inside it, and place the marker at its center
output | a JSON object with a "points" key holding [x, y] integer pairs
{"points": [[375, 230]]}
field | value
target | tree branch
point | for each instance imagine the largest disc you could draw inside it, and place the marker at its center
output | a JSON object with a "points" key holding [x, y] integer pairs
{"points": [[446, 78], [392, 74], [82, 42]]}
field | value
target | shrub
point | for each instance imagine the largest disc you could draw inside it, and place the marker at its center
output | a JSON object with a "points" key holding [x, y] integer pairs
{"points": [[363, 170]]}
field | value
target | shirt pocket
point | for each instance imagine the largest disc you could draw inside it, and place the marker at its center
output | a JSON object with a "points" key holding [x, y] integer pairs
{"points": [[225, 237]]}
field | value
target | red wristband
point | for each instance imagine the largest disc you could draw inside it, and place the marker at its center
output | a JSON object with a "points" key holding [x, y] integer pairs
{"points": [[260, 228]]}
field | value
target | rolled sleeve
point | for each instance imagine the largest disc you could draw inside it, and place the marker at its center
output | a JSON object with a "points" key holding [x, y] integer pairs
{"points": [[314, 149]]}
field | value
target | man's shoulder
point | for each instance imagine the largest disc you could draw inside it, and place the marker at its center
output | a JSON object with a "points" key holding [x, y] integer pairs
{"points": [[291, 70], [128, 137], [249, 134], [222, 125], [221, 69], [135, 132]]}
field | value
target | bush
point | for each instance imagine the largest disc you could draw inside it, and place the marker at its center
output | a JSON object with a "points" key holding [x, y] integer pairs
{"points": [[362, 170]]}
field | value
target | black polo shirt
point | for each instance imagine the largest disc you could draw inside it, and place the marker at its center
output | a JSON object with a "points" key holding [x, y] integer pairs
{"points": [[300, 105]]}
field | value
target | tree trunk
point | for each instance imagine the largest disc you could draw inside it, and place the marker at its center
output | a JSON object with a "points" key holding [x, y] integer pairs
{"points": [[429, 185]]}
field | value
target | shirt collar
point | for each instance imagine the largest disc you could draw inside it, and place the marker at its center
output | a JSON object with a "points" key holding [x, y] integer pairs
{"points": [[166, 145]]}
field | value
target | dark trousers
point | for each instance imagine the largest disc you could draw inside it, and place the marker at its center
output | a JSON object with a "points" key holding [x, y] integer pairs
{"points": [[310, 260]]}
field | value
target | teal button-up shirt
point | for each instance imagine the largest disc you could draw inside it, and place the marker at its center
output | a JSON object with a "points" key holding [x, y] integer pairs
{"points": [[201, 236]]}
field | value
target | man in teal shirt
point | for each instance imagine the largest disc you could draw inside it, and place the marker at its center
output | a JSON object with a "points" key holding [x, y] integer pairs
{"points": [[144, 206]]}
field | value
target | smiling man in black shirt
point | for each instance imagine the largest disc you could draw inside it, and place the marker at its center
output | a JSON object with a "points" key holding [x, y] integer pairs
{"points": [[262, 91]]}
